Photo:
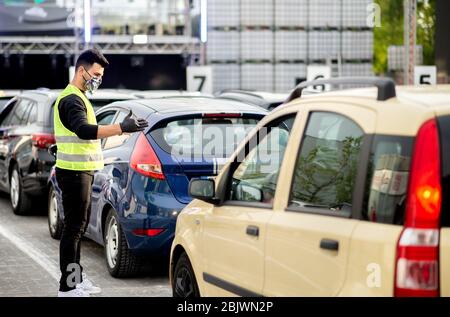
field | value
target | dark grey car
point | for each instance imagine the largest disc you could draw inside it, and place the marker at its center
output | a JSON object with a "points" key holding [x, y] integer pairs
{"points": [[26, 133]]}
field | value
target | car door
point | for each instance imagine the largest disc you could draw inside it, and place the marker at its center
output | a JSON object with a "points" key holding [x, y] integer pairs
{"points": [[103, 118], [5, 117], [372, 261], [234, 233], [10, 135], [308, 237], [24, 151], [115, 159]]}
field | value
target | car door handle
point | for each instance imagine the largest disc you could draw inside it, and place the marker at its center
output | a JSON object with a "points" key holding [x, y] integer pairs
{"points": [[328, 244], [253, 231]]}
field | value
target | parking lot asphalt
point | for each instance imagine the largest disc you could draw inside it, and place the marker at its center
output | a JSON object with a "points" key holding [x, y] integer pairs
{"points": [[29, 261]]}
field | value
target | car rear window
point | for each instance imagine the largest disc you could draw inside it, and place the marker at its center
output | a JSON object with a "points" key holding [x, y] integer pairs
{"points": [[387, 179], [444, 127], [203, 136]]}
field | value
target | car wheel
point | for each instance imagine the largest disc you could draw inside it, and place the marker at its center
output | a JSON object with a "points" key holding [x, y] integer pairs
{"points": [[20, 201], [121, 262], [55, 225], [184, 283]]}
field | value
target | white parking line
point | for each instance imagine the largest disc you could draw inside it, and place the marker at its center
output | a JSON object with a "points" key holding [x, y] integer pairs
{"points": [[40, 258]]}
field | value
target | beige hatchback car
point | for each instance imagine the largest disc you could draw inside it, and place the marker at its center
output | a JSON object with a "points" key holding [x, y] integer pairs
{"points": [[343, 193]]}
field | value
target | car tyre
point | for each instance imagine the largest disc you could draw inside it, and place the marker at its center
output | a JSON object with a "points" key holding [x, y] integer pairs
{"points": [[20, 201], [55, 224], [121, 262], [184, 283]]}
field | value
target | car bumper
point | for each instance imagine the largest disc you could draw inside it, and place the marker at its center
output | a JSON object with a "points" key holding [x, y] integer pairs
{"points": [[154, 246]]}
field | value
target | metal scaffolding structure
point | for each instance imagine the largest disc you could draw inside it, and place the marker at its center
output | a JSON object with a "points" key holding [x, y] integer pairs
{"points": [[269, 44], [108, 44]]}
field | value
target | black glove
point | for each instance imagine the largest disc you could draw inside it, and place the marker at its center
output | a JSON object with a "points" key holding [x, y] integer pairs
{"points": [[130, 125]]}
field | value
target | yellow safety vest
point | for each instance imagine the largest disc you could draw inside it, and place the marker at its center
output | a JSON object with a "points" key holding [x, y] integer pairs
{"points": [[74, 153]]}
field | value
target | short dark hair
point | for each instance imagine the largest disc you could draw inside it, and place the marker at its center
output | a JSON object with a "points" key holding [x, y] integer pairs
{"points": [[89, 57]]}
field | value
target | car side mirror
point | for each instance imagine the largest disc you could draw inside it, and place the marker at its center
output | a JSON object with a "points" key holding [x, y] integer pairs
{"points": [[53, 149], [203, 189]]}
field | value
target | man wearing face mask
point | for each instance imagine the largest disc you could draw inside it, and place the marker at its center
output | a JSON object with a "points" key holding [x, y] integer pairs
{"points": [[79, 154]]}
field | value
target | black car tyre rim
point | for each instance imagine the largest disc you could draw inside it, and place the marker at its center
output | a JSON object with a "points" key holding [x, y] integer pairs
{"points": [[183, 283]]}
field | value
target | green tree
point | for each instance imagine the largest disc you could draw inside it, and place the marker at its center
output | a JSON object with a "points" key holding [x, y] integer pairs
{"points": [[426, 29], [391, 31]]}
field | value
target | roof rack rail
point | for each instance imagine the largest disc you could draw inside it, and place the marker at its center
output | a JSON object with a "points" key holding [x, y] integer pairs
{"points": [[386, 86]]}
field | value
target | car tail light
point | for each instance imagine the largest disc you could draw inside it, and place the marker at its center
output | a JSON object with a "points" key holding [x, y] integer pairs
{"points": [[144, 159], [148, 232], [43, 140], [417, 267]]}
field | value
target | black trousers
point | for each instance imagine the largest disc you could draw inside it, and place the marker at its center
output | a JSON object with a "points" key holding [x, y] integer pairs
{"points": [[76, 187]]}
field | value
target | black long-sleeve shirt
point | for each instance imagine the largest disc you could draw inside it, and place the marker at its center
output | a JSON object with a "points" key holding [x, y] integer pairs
{"points": [[73, 115]]}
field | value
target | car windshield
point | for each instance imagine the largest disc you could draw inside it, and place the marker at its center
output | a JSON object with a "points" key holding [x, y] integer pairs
{"points": [[200, 136]]}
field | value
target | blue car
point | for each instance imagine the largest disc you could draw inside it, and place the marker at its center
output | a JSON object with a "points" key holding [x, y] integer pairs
{"points": [[137, 196]]}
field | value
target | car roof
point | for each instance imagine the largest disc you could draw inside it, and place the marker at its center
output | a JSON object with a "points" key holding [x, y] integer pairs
{"points": [[101, 94], [111, 94], [150, 94], [270, 97], [400, 115], [196, 104], [9, 93], [431, 96], [421, 96], [266, 100], [123, 94], [249, 99]]}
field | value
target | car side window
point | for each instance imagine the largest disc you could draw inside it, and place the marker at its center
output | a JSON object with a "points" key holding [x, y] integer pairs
{"points": [[255, 178], [5, 114], [17, 115], [106, 118], [116, 140], [32, 116], [387, 179], [326, 167], [24, 111]]}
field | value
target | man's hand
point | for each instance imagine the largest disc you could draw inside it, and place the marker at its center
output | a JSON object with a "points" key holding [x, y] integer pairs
{"points": [[130, 125]]}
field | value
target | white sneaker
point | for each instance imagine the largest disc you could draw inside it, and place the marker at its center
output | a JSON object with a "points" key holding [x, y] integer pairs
{"points": [[87, 286], [73, 293]]}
